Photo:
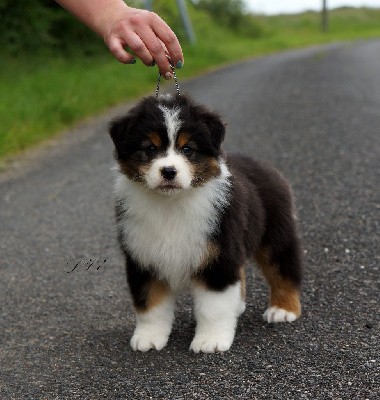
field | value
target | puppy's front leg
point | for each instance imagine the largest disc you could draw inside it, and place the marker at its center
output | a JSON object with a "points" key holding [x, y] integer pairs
{"points": [[153, 326], [216, 314], [154, 305]]}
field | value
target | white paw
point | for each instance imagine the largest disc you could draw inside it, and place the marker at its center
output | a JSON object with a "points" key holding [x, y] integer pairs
{"points": [[146, 340], [276, 314], [211, 343]]}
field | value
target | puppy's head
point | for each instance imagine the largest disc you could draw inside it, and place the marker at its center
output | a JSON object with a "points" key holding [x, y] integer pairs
{"points": [[168, 144]]}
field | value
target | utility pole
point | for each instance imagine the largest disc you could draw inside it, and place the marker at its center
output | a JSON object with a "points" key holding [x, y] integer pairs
{"points": [[325, 22], [186, 21], [184, 16]]}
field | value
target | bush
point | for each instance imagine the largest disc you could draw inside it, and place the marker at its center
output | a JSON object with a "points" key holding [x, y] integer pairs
{"points": [[231, 14], [30, 26], [25, 25]]}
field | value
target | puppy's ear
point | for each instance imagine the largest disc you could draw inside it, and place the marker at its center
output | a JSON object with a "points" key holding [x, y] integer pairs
{"points": [[215, 125], [118, 131]]}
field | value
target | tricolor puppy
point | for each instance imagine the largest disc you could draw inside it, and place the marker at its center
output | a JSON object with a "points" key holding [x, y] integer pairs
{"points": [[190, 216]]}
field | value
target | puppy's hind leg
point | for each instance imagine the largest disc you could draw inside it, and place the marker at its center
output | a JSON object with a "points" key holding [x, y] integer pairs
{"points": [[282, 271]]}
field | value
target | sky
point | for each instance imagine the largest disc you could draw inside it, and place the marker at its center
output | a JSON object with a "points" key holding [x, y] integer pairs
{"points": [[293, 6]]}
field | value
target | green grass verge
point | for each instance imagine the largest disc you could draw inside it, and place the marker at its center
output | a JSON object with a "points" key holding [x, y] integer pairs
{"points": [[42, 95]]}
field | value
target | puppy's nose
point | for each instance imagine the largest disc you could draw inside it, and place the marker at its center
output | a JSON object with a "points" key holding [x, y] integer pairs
{"points": [[168, 173]]}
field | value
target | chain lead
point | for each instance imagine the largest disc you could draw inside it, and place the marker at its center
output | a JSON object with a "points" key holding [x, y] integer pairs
{"points": [[175, 79], [158, 83]]}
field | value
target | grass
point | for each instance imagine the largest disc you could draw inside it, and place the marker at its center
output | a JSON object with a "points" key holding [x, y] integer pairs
{"points": [[41, 95]]}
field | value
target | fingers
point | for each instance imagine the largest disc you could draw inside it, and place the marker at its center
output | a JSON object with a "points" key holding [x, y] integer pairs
{"points": [[118, 51], [137, 44], [157, 41], [169, 39], [157, 52], [149, 37]]}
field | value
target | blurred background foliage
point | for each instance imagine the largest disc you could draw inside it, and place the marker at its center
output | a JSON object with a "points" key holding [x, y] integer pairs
{"points": [[41, 25], [54, 71], [29, 26], [231, 14]]}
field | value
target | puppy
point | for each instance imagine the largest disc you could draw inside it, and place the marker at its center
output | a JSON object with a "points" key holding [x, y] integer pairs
{"points": [[190, 216]]}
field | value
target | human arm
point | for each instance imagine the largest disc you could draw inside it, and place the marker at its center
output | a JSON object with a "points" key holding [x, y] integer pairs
{"points": [[144, 32]]}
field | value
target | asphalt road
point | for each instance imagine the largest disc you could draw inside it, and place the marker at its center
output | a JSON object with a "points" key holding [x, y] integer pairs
{"points": [[316, 115]]}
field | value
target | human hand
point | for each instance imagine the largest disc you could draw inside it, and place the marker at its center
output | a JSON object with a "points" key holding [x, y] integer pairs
{"points": [[143, 32]]}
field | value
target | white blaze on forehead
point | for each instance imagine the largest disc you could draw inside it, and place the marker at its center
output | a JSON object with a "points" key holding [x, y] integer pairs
{"points": [[172, 122], [171, 158]]}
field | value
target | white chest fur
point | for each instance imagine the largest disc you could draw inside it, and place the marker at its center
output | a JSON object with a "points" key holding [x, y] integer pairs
{"points": [[170, 233]]}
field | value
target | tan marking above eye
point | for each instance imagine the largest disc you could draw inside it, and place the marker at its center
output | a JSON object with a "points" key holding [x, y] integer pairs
{"points": [[183, 139], [154, 137]]}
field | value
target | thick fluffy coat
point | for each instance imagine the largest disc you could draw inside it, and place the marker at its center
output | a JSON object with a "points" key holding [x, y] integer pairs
{"points": [[190, 216]]}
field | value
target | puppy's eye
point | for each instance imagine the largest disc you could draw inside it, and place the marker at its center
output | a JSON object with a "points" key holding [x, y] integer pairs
{"points": [[186, 150], [151, 150]]}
